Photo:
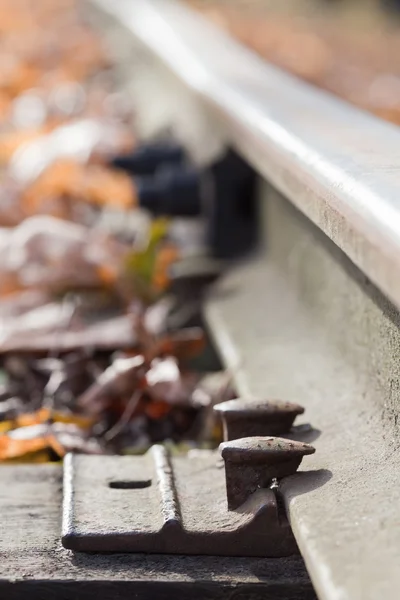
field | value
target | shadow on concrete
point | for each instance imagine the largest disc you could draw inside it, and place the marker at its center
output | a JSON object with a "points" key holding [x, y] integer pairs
{"points": [[303, 482], [303, 433]]}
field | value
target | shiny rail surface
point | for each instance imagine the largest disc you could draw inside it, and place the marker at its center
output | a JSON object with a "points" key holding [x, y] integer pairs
{"points": [[340, 166]]}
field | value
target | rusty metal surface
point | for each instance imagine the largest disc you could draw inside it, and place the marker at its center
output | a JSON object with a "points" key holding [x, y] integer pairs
{"points": [[253, 463], [337, 164], [245, 417], [168, 505], [34, 564]]}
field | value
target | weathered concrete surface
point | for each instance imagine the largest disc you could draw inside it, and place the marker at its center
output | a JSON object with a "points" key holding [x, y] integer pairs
{"points": [[302, 324], [34, 564]]}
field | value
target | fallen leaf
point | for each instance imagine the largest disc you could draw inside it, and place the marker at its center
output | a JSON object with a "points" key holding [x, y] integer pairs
{"points": [[118, 381]]}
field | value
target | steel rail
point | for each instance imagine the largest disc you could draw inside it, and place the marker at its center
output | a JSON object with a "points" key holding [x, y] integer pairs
{"points": [[304, 324], [339, 165]]}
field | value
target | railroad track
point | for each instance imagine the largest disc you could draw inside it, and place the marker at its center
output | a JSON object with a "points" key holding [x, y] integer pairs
{"points": [[312, 317]]}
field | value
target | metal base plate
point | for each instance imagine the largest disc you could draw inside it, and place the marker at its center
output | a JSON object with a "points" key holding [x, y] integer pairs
{"points": [[157, 504]]}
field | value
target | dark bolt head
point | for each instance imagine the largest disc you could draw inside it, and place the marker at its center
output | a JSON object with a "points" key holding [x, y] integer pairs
{"points": [[252, 463], [246, 417]]}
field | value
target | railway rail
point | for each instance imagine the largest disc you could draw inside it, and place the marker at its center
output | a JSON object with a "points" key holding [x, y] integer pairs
{"points": [[312, 317]]}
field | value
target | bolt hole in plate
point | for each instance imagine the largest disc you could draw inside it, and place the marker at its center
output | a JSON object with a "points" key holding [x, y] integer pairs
{"points": [[129, 485]]}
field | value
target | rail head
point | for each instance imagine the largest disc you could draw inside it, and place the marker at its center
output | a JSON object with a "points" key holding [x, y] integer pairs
{"points": [[339, 165]]}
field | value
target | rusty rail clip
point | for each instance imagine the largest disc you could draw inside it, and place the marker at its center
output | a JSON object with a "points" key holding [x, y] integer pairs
{"points": [[182, 505]]}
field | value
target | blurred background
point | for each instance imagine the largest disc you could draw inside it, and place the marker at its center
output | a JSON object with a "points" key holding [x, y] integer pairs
{"points": [[348, 47], [113, 224]]}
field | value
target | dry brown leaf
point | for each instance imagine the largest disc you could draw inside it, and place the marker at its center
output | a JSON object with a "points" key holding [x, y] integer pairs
{"points": [[118, 381]]}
